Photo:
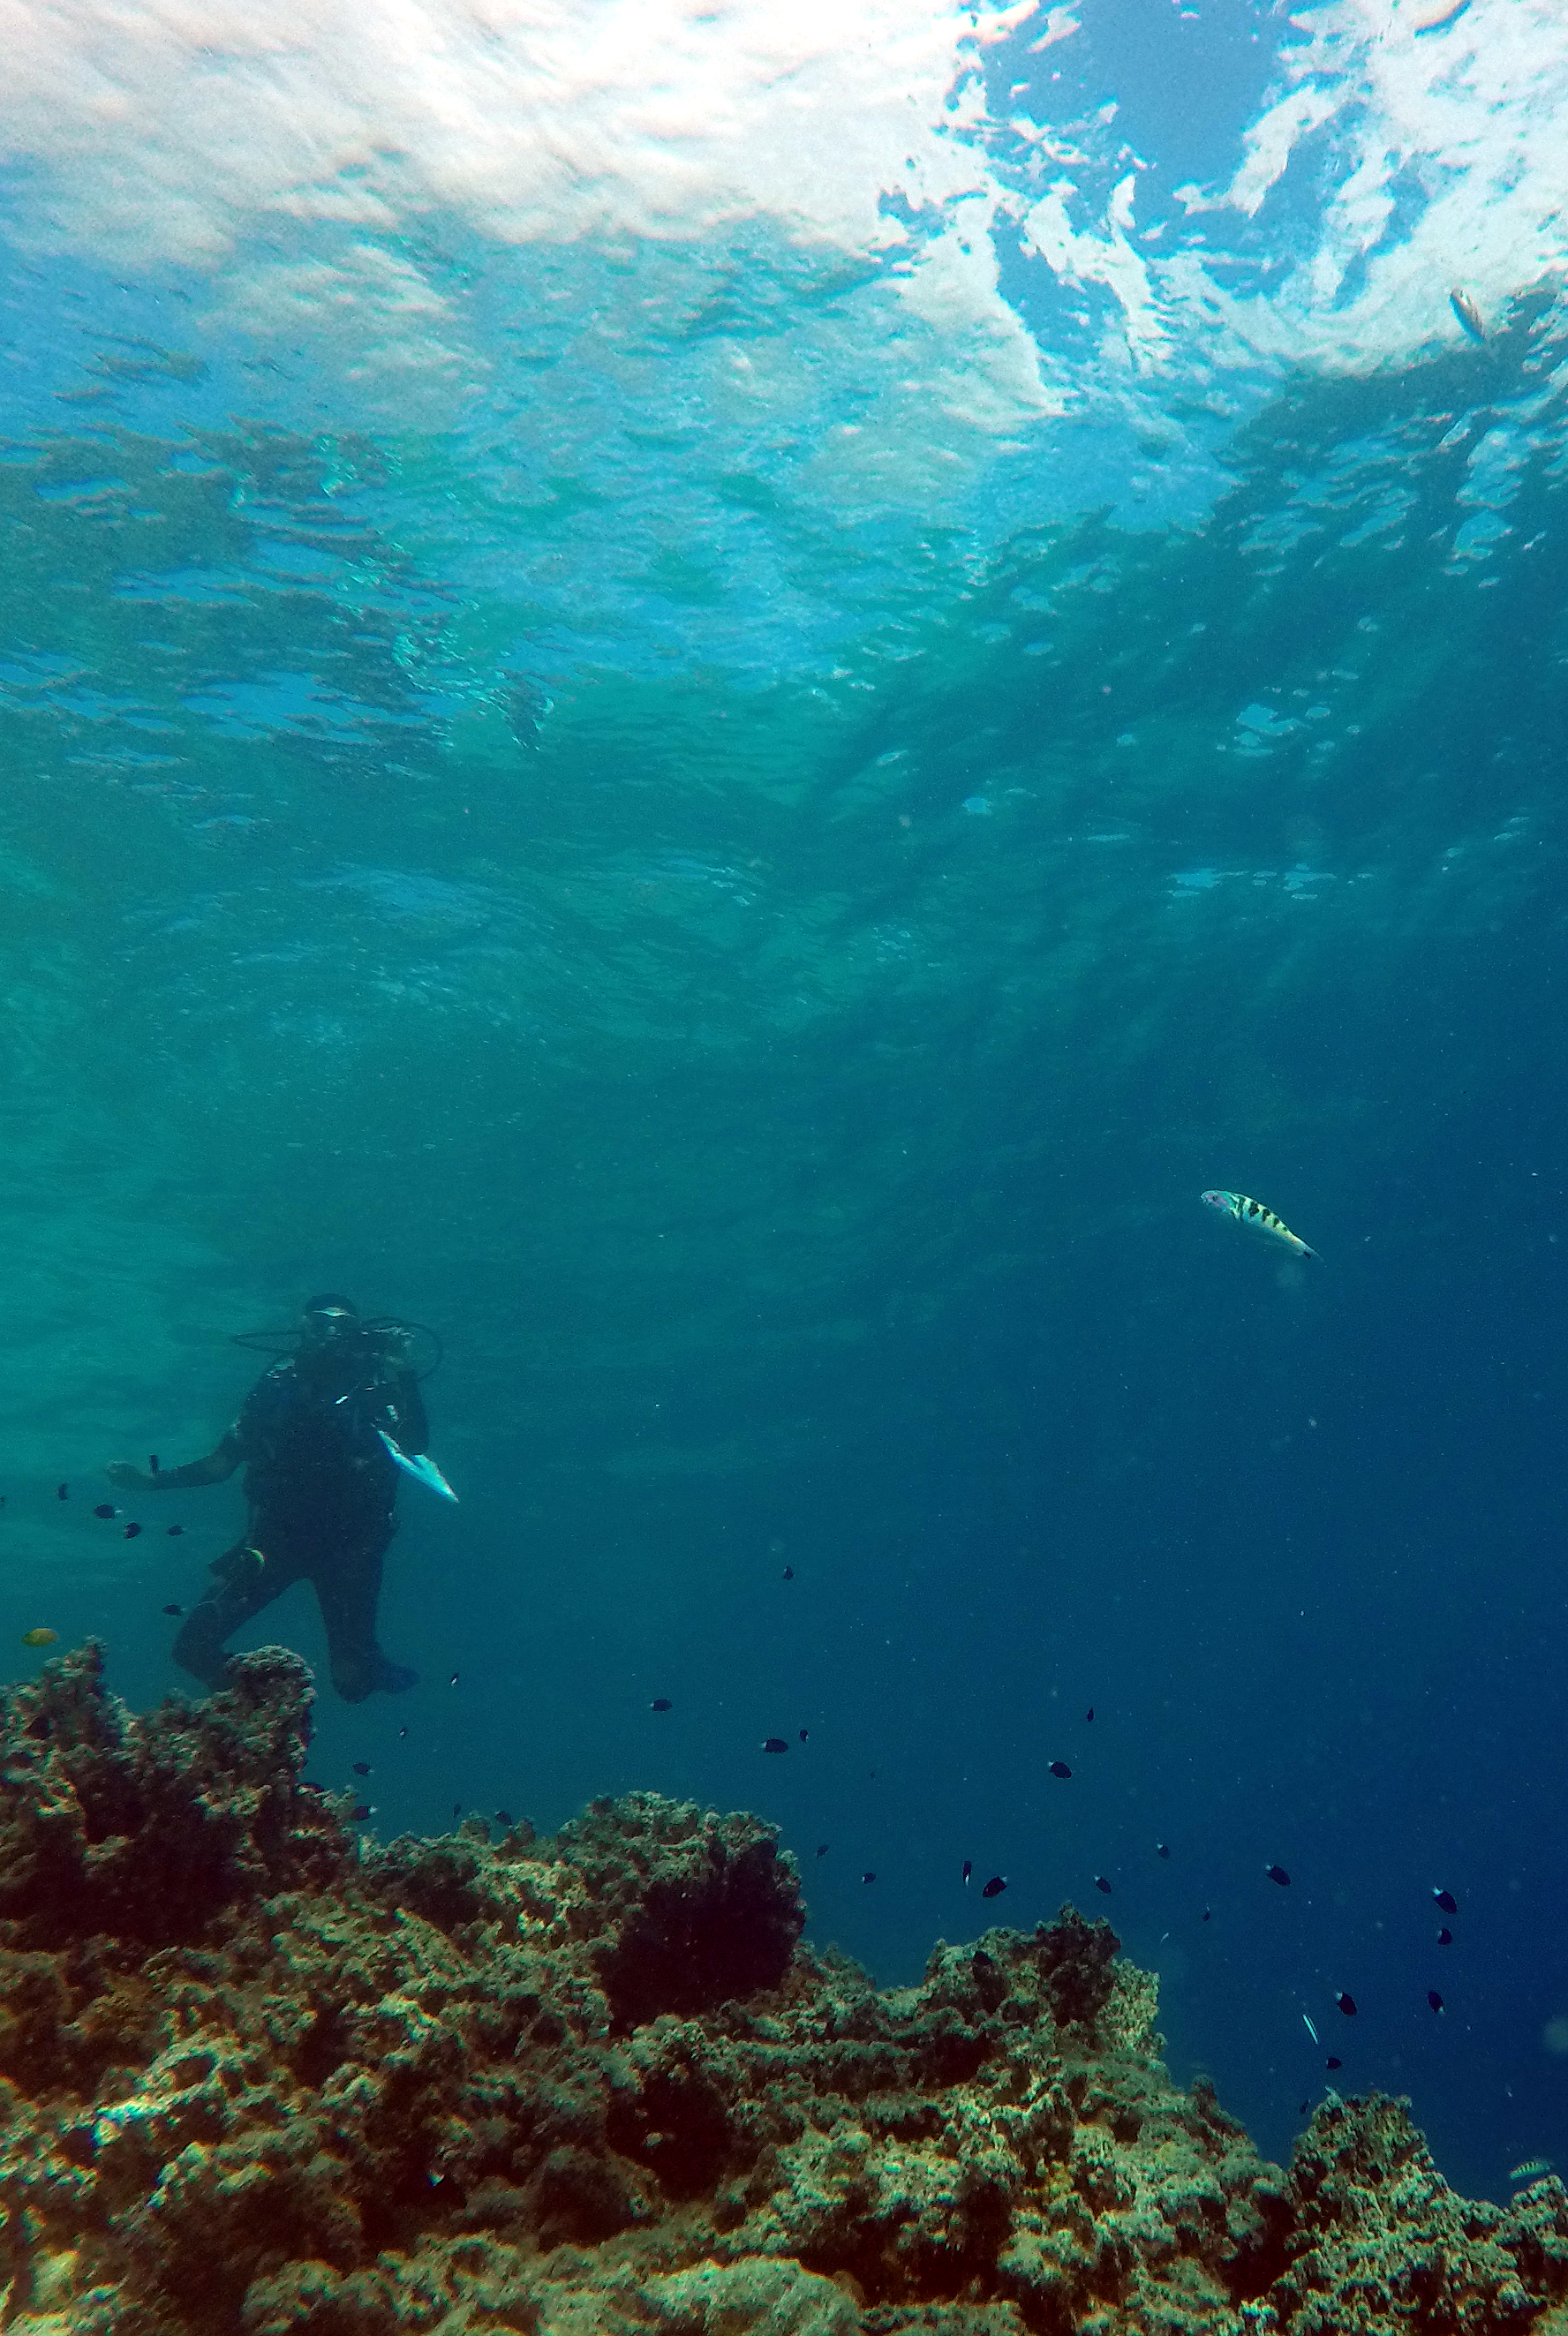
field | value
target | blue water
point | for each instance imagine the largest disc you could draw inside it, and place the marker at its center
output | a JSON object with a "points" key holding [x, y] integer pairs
{"points": [[738, 806]]}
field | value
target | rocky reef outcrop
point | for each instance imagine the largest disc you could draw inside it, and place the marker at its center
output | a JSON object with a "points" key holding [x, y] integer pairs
{"points": [[258, 2078]]}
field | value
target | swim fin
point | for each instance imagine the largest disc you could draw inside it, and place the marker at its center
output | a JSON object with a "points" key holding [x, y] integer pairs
{"points": [[419, 1466]]}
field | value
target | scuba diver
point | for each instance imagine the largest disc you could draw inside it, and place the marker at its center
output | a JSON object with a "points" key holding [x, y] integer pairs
{"points": [[323, 1434]]}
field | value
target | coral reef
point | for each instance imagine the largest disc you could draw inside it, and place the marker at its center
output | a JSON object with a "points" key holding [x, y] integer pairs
{"points": [[1379, 2242], [258, 2078]]}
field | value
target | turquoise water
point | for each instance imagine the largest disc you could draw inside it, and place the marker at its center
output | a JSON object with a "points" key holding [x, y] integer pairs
{"points": [[726, 744]]}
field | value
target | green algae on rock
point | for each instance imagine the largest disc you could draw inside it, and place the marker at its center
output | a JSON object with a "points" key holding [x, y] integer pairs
{"points": [[260, 2078]]}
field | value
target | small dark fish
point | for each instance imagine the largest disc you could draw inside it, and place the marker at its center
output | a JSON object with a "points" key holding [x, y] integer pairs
{"points": [[454, 1679], [175, 1530], [1278, 1873], [403, 1731], [504, 1817], [994, 1886], [359, 1812], [868, 1877], [1447, 1900], [1208, 1914], [1334, 2062], [775, 1744], [174, 1610], [63, 1492], [152, 1464], [1090, 1713], [107, 1508], [1162, 1849], [1303, 2107], [130, 1531], [309, 1784], [361, 1767], [1347, 2004], [1445, 1936], [969, 1868], [821, 1849], [661, 1703], [1060, 1769], [457, 1808], [1433, 1999], [802, 1736], [1101, 1884], [789, 1573]]}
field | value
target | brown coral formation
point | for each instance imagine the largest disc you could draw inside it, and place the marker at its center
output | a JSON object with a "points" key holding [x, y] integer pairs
{"points": [[258, 2080], [1379, 2243]]}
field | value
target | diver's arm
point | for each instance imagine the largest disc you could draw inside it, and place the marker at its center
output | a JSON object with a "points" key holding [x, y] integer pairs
{"points": [[412, 1432], [210, 1469]]}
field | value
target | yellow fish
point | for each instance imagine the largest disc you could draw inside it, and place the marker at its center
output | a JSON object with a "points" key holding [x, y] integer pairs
{"points": [[1252, 1212], [39, 1637]]}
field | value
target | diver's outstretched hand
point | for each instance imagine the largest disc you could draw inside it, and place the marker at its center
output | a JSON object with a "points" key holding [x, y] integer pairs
{"points": [[130, 1478]]}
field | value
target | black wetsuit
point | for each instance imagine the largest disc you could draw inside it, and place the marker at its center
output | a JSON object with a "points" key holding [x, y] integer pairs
{"points": [[321, 1485]]}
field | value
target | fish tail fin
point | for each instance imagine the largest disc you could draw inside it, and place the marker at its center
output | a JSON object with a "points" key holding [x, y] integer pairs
{"points": [[1316, 1253]]}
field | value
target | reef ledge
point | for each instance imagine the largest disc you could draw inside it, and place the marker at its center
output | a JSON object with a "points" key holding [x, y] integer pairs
{"points": [[258, 2078]]}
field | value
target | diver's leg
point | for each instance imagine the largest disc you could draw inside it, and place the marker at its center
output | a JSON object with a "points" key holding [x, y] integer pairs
{"points": [[246, 1583], [348, 1585]]}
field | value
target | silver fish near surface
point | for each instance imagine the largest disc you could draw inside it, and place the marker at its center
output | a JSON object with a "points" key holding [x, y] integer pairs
{"points": [[1470, 315], [1248, 1212]]}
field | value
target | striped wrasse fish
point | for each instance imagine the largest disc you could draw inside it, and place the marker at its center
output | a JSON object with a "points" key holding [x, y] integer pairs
{"points": [[1251, 1212]]}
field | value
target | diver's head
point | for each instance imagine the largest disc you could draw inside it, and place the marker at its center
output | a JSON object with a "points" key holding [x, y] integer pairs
{"points": [[329, 1325]]}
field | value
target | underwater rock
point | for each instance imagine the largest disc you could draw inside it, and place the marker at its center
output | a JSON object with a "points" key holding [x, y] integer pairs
{"points": [[145, 1827], [1378, 2241], [1077, 1964], [701, 1908], [259, 2077]]}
